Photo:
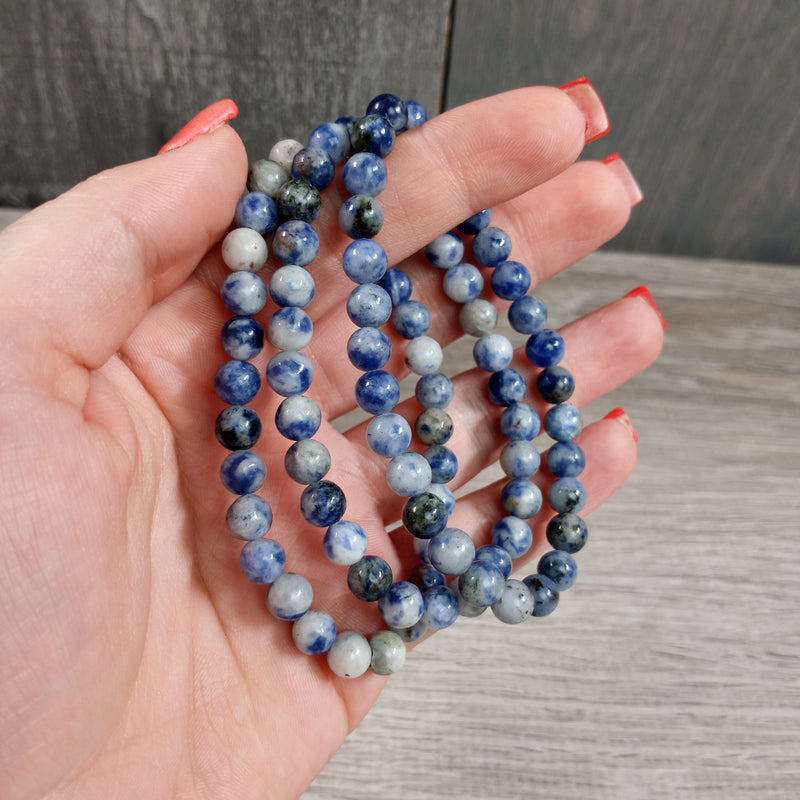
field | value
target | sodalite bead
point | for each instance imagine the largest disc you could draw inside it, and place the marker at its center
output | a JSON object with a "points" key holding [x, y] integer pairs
{"points": [[434, 390], [314, 632], [527, 314], [481, 584], [237, 382], [350, 655], [545, 595], [344, 543], [369, 579], [567, 532], [408, 474], [364, 261], [299, 201], [492, 352], [315, 165], [417, 114], [369, 306], [491, 246], [465, 609], [434, 426], [307, 461], [420, 547], [477, 317], [445, 495], [451, 552], [520, 459], [423, 355], [511, 280], [442, 461], [290, 328], [289, 372], [364, 173], [237, 427], [565, 460], [401, 606], [397, 284], [513, 535], [298, 417], [322, 504], [521, 498], [555, 384], [333, 138], [242, 338], [388, 652], [515, 604], [519, 422], [243, 472], [244, 250], [377, 391], [495, 556], [388, 435], [373, 134], [391, 108], [291, 286], [506, 387], [462, 283], [412, 634], [284, 151], [361, 217], [289, 597], [426, 577], [560, 567], [446, 251], [266, 176], [545, 348], [262, 561], [425, 515], [441, 608], [295, 242], [563, 422], [256, 210], [243, 293], [411, 319], [368, 348], [249, 517], [477, 222], [566, 494]]}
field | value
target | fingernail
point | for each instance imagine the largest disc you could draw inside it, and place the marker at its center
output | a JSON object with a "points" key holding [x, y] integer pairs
{"points": [[206, 121], [622, 416], [644, 293], [615, 163], [584, 95]]}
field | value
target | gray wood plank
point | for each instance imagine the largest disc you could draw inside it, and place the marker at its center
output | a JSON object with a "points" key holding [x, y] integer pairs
{"points": [[704, 101]]}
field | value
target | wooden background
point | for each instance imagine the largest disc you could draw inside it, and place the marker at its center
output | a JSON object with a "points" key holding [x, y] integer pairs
{"points": [[672, 668]]}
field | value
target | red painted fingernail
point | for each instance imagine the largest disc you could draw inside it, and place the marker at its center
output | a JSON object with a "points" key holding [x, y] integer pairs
{"points": [[206, 121], [615, 163], [622, 415], [644, 293], [585, 96]]}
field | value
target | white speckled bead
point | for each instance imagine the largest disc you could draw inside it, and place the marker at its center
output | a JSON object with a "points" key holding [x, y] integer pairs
{"points": [[289, 596], [284, 151], [423, 355], [266, 176], [451, 551], [350, 655], [291, 286], [408, 474], [244, 250], [515, 604], [388, 653]]}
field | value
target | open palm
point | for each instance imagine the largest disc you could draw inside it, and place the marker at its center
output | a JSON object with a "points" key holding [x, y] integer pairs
{"points": [[135, 660]]}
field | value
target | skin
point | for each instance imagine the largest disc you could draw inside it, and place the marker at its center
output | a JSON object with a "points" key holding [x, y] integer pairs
{"points": [[137, 661]]}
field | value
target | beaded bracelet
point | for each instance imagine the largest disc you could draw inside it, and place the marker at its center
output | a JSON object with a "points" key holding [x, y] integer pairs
{"points": [[286, 188]]}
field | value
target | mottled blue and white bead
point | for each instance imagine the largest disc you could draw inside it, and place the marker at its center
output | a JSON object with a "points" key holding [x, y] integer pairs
{"points": [[322, 504], [493, 352], [417, 114], [368, 348], [491, 246], [290, 328], [434, 426], [372, 133], [477, 317], [411, 319], [388, 435], [513, 535], [344, 543], [423, 355], [425, 576], [391, 108], [408, 474], [496, 556], [314, 632], [377, 391], [451, 551], [465, 609], [244, 250], [441, 608], [563, 422], [256, 210], [388, 652], [434, 390], [315, 165], [369, 306], [295, 242], [333, 138], [249, 517], [521, 498], [443, 463], [544, 593], [481, 584], [446, 251], [566, 495], [364, 173], [462, 283], [527, 314], [445, 495], [510, 280], [298, 417], [291, 286], [289, 596], [515, 604], [397, 284], [307, 461], [242, 338], [289, 372], [560, 568], [402, 605], [477, 222], [545, 348], [520, 459], [364, 261], [237, 427], [262, 561], [243, 293], [243, 472], [350, 655], [506, 387], [237, 382], [519, 422]]}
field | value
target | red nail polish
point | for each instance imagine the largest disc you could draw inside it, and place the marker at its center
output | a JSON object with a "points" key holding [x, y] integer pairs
{"points": [[206, 121], [615, 163], [644, 293], [622, 415], [585, 96]]}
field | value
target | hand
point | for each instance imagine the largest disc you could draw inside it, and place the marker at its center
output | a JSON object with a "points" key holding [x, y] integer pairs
{"points": [[136, 659]]}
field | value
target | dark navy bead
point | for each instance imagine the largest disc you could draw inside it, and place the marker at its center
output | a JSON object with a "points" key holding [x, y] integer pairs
{"points": [[237, 382], [322, 504], [256, 210], [397, 284], [295, 242], [368, 348], [333, 138], [446, 251], [477, 222], [364, 173], [243, 293], [298, 417], [511, 280], [298, 199], [315, 165], [242, 338], [426, 577], [560, 567], [565, 460], [566, 494], [262, 561], [434, 390], [369, 305], [289, 372], [391, 108], [527, 314], [425, 515], [243, 472], [555, 384], [373, 134], [443, 461], [237, 427], [545, 348], [567, 532], [364, 261], [519, 422], [506, 387], [563, 422], [496, 556], [434, 426], [361, 217], [370, 578], [491, 246], [377, 391], [545, 594], [411, 319], [417, 114]]}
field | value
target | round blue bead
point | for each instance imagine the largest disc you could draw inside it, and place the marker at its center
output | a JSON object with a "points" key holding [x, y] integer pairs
{"points": [[262, 561], [373, 133], [368, 348], [445, 251], [462, 283], [291, 286], [477, 222], [256, 210], [434, 390], [408, 474], [451, 551], [555, 384], [242, 338], [243, 472], [298, 200], [491, 246], [545, 594], [289, 372], [481, 584], [364, 173], [506, 387], [314, 633], [402, 605], [377, 391], [237, 427], [417, 114], [411, 319], [521, 498], [345, 543], [307, 461], [566, 494], [545, 348], [445, 495], [565, 460], [290, 328], [237, 382], [563, 422], [425, 576], [388, 435], [527, 314], [333, 138], [295, 242], [370, 578], [391, 108], [289, 596], [322, 504], [492, 352], [511, 280], [361, 217], [364, 261], [441, 608], [249, 517], [369, 306], [298, 417], [520, 459], [519, 422], [560, 568], [243, 293], [315, 165], [513, 535], [397, 284], [443, 463], [495, 556], [567, 532]]}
